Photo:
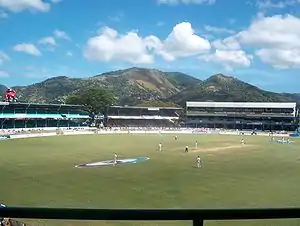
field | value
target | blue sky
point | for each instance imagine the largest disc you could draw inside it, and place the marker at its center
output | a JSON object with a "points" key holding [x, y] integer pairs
{"points": [[256, 41]]}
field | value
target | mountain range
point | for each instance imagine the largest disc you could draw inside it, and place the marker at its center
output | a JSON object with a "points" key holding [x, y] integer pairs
{"points": [[137, 85]]}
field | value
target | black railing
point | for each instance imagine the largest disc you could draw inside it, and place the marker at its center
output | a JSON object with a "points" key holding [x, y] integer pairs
{"points": [[197, 216]]}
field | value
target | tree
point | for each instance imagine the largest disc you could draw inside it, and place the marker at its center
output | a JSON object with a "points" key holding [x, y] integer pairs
{"points": [[94, 100]]}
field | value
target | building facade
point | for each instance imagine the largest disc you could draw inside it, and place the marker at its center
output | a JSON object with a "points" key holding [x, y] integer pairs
{"points": [[31, 115], [242, 115], [131, 116]]}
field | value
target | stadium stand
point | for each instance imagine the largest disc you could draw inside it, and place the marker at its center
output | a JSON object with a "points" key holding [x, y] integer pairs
{"points": [[24, 117], [242, 115], [298, 119], [128, 116], [31, 115]]}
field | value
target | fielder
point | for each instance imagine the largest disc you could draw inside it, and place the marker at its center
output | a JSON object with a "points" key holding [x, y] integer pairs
{"points": [[196, 144], [198, 162], [176, 137], [159, 147], [242, 141], [115, 159], [186, 149]]}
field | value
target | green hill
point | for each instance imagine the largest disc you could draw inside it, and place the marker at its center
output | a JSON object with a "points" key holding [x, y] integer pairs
{"points": [[130, 86], [135, 86], [225, 88]]}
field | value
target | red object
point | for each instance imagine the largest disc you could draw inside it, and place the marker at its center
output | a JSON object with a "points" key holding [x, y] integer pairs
{"points": [[10, 95]]}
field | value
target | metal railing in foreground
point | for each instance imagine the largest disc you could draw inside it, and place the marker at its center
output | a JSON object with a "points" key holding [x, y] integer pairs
{"points": [[197, 216]]}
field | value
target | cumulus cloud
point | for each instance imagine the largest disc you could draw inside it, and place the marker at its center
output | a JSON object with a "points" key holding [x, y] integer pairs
{"points": [[186, 2], [61, 35], [278, 38], [229, 43], [21, 5], [275, 40], [28, 48], [48, 41], [280, 58], [51, 40], [4, 74], [183, 42], [229, 58], [110, 45], [228, 53], [277, 31], [3, 57]]}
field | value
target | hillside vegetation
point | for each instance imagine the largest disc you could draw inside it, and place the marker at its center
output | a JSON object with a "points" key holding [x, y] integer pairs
{"points": [[224, 88], [137, 86]]}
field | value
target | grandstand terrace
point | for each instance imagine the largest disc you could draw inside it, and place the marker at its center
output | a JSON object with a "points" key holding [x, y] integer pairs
{"points": [[131, 116], [32, 115], [242, 115]]}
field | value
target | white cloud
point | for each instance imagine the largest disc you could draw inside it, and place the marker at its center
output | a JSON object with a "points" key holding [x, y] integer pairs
{"points": [[228, 53], [110, 45], [183, 42], [21, 5], [4, 74], [3, 57], [69, 53], [275, 40], [277, 36], [280, 58], [28, 48], [280, 31], [218, 29], [266, 4], [229, 58], [229, 43], [186, 2], [61, 35], [48, 41]]}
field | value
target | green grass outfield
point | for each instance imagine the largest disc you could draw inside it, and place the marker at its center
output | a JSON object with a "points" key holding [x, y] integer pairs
{"points": [[40, 172]]}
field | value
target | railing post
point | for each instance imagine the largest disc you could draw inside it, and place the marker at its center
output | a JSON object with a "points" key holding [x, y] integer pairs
{"points": [[198, 222]]}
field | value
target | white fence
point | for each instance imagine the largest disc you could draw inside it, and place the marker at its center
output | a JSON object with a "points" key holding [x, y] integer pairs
{"points": [[85, 131]]}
